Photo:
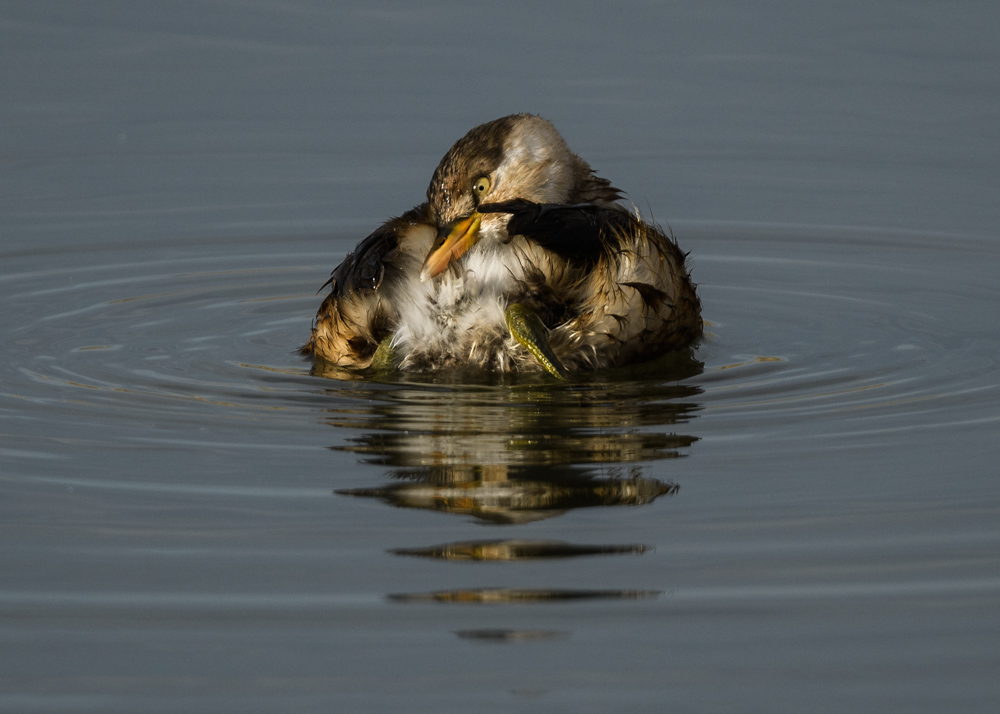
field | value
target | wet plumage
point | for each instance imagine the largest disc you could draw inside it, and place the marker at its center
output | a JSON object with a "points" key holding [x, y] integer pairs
{"points": [[521, 259]]}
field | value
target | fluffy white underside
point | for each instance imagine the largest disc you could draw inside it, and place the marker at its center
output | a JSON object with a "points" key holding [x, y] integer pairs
{"points": [[459, 316]]}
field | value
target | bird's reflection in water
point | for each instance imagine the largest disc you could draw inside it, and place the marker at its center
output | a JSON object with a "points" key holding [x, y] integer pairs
{"points": [[498, 550], [500, 596], [502, 635], [514, 450], [514, 496]]}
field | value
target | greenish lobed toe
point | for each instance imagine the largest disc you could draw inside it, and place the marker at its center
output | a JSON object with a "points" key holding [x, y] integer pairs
{"points": [[527, 328]]}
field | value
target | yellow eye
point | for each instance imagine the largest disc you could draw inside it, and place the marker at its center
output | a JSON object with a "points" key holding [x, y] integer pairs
{"points": [[480, 186]]}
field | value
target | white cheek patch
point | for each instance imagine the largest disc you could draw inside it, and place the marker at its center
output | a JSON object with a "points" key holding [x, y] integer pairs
{"points": [[530, 168], [527, 147], [517, 157]]}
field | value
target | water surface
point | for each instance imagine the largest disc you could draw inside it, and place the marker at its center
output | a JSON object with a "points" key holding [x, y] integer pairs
{"points": [[799, 515]]}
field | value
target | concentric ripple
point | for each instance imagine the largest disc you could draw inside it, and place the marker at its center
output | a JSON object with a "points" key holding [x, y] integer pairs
{"points": [[881, 331], [817, 471], [866, 332]]}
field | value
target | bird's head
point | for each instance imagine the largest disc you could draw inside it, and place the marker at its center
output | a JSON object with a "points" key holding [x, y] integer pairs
{"points": [[517, 157]]}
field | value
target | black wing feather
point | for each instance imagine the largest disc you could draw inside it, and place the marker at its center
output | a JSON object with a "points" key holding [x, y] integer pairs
{"points": [[580, 232], [364, 267]]}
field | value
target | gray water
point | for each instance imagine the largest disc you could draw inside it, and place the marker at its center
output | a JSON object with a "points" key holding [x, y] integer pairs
{"points": [[803, 515]]}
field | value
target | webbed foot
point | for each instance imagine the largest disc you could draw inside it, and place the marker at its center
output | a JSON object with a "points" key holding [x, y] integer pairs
{"points": [[527, 328], [383, 360]]}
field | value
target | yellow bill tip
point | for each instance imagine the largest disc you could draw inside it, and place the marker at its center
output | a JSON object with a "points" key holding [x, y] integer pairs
{"points": [[461, 235]]}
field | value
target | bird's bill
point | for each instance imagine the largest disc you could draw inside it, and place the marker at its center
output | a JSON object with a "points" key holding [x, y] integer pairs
{"points": [[460, 235]]}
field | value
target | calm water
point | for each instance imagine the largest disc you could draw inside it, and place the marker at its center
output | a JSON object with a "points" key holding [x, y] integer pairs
{"points": [[802, 515]]}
